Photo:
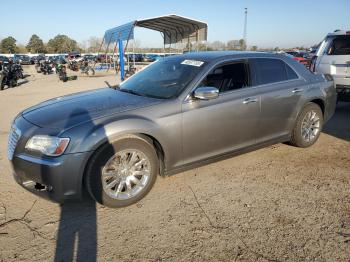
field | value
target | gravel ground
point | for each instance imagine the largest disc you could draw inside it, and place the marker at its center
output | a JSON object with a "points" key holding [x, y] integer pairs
{"points": [[279, 203]]}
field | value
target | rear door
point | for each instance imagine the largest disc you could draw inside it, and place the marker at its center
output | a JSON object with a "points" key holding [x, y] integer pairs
{"points": [[280, 89]]}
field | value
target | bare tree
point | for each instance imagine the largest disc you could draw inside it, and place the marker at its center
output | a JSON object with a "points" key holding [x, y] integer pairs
{"points": [[242, 44], [218, 45], [93, 44], [254, 48], [233, 45]]}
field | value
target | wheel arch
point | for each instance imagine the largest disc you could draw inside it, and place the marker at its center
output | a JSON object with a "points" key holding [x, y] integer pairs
{"points": [[142, 135], [320, 103]]}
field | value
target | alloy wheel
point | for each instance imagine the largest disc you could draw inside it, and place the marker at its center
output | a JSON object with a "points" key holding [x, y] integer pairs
{"points": [[125, 174], [310, 126]]}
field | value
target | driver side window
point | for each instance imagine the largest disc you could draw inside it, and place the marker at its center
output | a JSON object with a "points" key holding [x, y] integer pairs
{"points": [[227, 77]]}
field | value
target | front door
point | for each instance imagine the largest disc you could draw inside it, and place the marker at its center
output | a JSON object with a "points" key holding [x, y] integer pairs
{"points": [[223, 124]]}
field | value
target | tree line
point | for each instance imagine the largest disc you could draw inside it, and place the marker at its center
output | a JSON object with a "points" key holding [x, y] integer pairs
{"points": [[65, 44], [58, 44]]}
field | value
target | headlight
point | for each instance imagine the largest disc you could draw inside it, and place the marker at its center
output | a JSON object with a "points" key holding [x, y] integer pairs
{"points": [[48, 145]]}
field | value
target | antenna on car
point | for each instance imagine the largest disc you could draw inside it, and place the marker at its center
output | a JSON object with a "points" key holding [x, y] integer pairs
{"points": [[108, 84]]}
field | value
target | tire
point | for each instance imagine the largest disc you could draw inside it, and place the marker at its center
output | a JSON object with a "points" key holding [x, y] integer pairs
{"points": [[2, 82], [299, 137], [96, 186], [13, 83]]}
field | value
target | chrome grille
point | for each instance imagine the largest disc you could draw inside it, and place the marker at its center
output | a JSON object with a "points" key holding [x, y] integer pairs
{"points": [[14, 136]]}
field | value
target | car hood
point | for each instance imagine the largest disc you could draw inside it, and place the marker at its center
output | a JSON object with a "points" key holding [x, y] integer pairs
{"points": [[67, 111]]}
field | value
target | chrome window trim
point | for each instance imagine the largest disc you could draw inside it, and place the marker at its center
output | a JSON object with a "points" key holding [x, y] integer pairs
{"points": [[188, 96]]}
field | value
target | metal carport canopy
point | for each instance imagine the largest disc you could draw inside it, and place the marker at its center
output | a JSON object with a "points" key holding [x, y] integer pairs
{"points": [[174, 28]]}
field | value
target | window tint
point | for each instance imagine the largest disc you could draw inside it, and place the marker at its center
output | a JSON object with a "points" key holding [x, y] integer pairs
{"points": [[272, 71], [227, 77], [290, 73], [340, 45]]}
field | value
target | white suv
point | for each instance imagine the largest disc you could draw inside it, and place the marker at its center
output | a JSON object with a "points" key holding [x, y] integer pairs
{"points": [[333, 58]]}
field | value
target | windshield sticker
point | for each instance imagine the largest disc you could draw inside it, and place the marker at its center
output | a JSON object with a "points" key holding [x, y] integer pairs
{"points": [[192, 63]]}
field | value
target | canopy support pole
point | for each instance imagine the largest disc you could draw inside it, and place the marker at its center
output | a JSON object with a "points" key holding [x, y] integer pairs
{"points": [[133, 50], [121, 58], [188, 44], [114, 61]]}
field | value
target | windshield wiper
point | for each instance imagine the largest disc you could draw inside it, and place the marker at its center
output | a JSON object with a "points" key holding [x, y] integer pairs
{"points": [[130, 91]]}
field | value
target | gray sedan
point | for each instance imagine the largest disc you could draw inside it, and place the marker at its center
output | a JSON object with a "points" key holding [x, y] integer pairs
{"points": [[177, 113]]}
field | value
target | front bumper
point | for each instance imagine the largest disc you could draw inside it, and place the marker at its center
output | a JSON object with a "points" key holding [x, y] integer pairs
{"points": [[57, 179]]}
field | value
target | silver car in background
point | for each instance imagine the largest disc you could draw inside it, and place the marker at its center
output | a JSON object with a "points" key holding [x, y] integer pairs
{"points": [[333, 58], [178, 113]]}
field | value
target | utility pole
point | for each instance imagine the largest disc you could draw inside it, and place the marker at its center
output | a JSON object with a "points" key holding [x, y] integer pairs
{"points": [[245, 28]]}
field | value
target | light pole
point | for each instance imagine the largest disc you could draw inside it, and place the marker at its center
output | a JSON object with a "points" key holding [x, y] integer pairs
{"points": [[245, 28]]}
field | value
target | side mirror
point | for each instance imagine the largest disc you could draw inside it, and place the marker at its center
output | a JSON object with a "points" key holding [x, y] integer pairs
{"points": [[206, 93]]}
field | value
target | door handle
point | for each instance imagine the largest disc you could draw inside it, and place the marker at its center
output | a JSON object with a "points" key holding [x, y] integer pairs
{"points": [[296, 90], [250, 100]]}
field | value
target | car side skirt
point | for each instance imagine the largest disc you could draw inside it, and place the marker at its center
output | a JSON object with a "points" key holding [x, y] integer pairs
{"points": [[280, 139]]}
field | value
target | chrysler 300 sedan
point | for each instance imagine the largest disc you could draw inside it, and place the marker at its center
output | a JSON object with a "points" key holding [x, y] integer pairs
{"points": [[177, 113]]}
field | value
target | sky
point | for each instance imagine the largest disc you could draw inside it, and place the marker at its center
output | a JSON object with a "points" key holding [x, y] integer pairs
{"points": [[271, 23]]}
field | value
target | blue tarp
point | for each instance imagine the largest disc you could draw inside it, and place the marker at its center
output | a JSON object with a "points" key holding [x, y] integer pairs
{"points": [[123, 32]]}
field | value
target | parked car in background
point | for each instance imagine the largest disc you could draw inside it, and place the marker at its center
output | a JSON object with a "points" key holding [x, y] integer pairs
{"points": [[89, 57], [37, 59], [74, 55], [311, 54], [103, 58], [4, 59], [151, 57], [22, 59], [58, 59], [178, 113], [301, 57], [333, 58], [136, 57]]}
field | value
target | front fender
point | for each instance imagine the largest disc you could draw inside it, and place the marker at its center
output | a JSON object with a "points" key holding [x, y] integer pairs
{"points": [[91, 135]]}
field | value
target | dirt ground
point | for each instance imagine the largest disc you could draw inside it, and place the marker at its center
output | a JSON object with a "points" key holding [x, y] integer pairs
{"points": [[279, 203]]}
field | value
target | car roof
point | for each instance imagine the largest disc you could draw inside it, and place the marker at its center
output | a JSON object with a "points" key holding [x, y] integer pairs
{"points": [[339, 32], [217, 55]]}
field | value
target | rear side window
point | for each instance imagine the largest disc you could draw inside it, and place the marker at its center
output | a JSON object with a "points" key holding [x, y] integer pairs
{"points": [[290, 73], [339, 46], [273, 70]]}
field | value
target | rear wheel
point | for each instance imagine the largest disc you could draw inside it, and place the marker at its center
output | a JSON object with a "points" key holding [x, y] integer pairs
{"points": [[123, 172], [308, 126]]}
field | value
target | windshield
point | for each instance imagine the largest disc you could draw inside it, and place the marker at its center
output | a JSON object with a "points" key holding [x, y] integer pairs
{"points": [[166, 78]]}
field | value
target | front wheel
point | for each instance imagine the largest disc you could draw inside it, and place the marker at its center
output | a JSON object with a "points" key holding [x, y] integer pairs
{"points": [[308, 126], [123, 172]]}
